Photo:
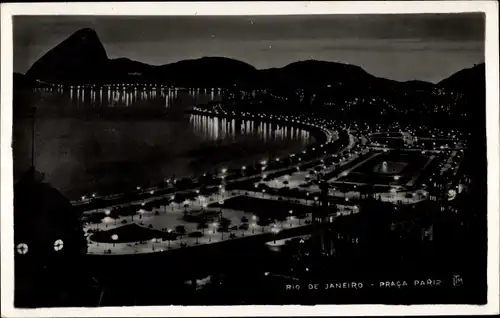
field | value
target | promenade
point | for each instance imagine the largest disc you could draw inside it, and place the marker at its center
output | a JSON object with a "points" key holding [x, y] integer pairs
{"points": [[169, 216]]}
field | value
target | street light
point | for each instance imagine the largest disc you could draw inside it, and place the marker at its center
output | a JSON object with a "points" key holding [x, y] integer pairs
{"points": [[172, 198], [168, 238], [221, 202], [393, 192], [275, 231], [214, 225]]}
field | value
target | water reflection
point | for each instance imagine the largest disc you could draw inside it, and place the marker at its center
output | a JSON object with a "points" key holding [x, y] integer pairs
{"points": [[128, 95], [214, 129], [108, 154]]}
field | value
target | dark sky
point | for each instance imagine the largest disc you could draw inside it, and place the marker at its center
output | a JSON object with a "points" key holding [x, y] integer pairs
{"points": [[400, 47]]}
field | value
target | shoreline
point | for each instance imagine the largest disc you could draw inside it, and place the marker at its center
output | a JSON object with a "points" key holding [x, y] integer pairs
{"points": [[319, 134]]}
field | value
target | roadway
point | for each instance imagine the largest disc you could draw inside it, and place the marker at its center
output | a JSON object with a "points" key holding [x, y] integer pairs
{"points": [[171, 215]]}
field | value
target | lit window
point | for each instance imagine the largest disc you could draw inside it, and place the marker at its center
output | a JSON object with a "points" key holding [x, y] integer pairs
{"points": [[58, 245], [22, 248]]}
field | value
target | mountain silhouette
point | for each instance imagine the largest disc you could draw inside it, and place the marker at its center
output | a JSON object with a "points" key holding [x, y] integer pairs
{"points": [[466, 80], [23, 81], [82, 59], [78, 58], [217, 71], [313, 73]]}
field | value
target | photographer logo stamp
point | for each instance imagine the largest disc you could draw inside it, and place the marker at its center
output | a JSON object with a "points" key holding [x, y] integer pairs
{"points": [[457, 280]]}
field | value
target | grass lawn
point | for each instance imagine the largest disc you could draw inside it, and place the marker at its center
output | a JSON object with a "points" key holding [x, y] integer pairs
{"points": [[264, 207], [130, 233], [397, 163]]}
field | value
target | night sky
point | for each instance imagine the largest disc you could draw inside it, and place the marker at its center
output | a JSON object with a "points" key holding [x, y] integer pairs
{"points": [[400, 47]]}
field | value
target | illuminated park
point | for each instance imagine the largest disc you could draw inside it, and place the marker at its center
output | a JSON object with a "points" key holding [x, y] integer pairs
{"points": [[219, 183]]}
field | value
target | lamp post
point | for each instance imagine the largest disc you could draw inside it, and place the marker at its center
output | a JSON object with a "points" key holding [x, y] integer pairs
{"points": [[214, 225], [92, 200], [114, 237], [275, 232], [223, 173], [393, 192], [344, 174], [172, 198], [168, 237], [221, 202]]}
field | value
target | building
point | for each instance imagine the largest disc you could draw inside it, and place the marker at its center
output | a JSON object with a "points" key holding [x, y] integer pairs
{"points": [[321, 221], [49, 244]]}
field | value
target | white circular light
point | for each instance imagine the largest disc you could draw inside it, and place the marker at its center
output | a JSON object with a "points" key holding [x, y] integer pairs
{"points": [[22, 248], [58, 245]]}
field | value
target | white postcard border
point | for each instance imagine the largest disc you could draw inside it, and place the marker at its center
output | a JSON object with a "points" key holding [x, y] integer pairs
{"points": [[490, 8]]}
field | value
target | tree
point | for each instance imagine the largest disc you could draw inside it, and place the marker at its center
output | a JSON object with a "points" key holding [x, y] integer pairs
{"points": [[224, 223], [180, 229], [184, 183], [204, 190], [281, 217], [202, 225], [244, 219], [178, 199], [263, 221], [334, 208]]}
